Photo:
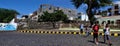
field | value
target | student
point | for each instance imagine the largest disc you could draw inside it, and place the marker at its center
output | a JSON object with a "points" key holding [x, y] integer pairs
{"points": [[95, 33], [81, 28], [104, 26], [87, 29], [107, 33]]}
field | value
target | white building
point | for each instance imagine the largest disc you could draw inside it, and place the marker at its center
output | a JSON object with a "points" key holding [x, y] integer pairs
{"points": [[115, 15], [84, 17], [115, 19]]}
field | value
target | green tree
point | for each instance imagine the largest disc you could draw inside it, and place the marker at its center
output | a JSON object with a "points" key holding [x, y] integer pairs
{"points": [[53, 17], [6, 15], [92, 4]]}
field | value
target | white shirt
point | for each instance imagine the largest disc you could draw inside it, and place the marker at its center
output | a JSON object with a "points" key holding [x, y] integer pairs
{"points": [[81, 26], [107, 32], [104, 25]]}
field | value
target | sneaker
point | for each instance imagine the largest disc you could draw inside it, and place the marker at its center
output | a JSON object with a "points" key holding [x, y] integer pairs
{"points": [[104, 42], [110, 44], [96, 43]]}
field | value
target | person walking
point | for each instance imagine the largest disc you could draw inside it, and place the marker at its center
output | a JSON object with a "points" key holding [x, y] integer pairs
{"points": [[95, 32], [81, 28], [87, 29], [107, 33], [104, 30]]}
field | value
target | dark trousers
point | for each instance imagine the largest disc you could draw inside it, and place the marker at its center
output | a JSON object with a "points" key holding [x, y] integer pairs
{"points": [[95, 36], [104, 35], [81, 30]]}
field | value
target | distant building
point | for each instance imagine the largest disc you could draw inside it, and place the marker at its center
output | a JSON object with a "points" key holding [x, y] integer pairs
{"points": [[33, 16], [114, 19], [71, 14], [116, 9], [112, 15], [83, 17]]}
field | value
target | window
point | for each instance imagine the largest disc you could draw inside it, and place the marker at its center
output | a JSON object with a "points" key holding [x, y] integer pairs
{"points": [[50, 8], [69, 11], [108, 21], [103, 22], [112, 22]]}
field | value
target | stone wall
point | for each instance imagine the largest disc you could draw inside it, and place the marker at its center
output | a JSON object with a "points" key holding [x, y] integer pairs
{"points": [[29, 24]]}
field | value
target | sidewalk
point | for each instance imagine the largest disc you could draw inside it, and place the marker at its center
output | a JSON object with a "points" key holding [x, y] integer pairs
{"points": [[77, 29], [66, 31], [69, 29]]}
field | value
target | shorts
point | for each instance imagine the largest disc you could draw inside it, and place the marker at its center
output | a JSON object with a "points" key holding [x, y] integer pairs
{"points": [[95, 35], [107, 37]]}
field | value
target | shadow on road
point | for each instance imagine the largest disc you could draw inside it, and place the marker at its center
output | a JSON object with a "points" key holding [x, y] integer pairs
{"points": [[99, 41], [102, 42], [91, 41]]}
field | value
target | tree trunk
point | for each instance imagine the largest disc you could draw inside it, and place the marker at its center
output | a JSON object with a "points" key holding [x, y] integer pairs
{"points": [[90, 16], [90, 13]]}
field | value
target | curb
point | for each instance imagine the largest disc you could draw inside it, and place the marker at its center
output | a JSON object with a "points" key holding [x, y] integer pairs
{"points": [[77, 29], [64, 32]]}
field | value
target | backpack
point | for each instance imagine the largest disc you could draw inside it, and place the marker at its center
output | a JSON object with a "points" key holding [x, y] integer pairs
{"points": [[96, 28]]}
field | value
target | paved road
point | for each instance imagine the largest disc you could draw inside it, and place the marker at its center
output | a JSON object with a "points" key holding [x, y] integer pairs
{"points": [[31, 39]]}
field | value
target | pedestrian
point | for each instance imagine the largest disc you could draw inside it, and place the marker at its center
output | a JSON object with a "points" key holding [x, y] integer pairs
{"points": [[104, 30], [95, 32], [87, 29], [107, 34], [81, 28]]}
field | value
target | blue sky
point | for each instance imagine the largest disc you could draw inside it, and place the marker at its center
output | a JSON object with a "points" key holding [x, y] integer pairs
{"points": [[29, 6]]}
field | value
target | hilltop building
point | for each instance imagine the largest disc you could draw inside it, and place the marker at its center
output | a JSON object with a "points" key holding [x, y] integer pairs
{"points": [[71, 14]]}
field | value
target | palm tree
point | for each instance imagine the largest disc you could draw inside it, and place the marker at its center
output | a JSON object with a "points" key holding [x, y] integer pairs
{"points": [[92, 4]]}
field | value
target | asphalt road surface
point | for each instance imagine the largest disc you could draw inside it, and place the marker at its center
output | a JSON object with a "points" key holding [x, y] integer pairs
{"points": [[31, 39]]}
